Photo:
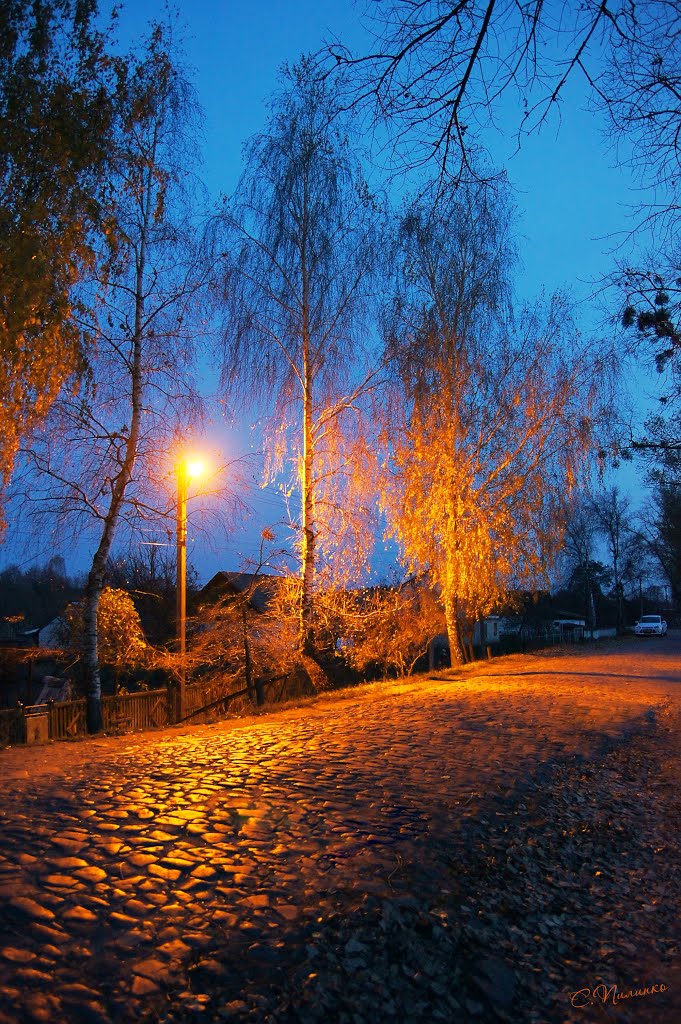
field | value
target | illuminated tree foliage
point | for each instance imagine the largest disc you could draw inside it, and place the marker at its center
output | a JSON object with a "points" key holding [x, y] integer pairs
{"points": [[120, 637], [383, 630], [239, 639], [298, 242], [490, 416], [55, 124]]}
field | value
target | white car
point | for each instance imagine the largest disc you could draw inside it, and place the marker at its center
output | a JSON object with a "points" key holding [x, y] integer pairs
{"points": [[651, 625]]}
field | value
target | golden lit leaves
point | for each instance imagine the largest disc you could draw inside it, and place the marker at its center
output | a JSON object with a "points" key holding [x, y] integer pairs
{"points": [[53, 116], [489, 419], [119, 632]]}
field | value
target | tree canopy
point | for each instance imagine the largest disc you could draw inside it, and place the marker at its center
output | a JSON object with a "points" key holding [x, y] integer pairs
{"points": [[492, 411], [55, 123], [298, 240], [440, 72]]}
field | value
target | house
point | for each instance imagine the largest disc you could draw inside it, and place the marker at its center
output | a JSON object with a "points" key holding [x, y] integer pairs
{"points": [[14, 633], [569, 630], [52, 636], [258, 589]]}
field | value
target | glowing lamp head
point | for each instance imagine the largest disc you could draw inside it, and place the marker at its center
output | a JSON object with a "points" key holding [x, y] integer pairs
{"points": [[194, 467]]}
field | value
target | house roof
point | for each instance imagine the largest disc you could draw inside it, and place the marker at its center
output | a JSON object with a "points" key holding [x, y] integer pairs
{"points": [[260, 587]]}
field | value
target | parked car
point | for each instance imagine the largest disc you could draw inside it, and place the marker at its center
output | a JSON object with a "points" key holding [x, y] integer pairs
{"points": [[650, 625]]}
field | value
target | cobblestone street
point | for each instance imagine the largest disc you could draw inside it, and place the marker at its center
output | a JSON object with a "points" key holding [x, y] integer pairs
{"points": [[190, 872]]}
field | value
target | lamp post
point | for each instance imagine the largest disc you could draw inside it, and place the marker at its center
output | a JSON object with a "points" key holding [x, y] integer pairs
{"points": [[187, 469]]}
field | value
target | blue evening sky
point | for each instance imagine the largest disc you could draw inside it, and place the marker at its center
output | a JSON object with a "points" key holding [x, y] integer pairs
{"points": [[572, 201]]}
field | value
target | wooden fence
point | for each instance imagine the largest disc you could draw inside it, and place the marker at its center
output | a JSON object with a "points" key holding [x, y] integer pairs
{"points": [[128, 712], [59, 720], [201, 695], [65, 718], [132, 711]]}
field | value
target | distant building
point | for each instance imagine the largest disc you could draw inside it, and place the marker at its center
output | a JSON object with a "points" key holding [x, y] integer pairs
{"points": [[260, 589], [487, 631]]}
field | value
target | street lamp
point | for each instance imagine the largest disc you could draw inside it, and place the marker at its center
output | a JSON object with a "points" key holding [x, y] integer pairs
{"points": [[188, 468]]}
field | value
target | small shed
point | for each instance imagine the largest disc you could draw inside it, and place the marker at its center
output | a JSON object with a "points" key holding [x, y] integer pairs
{"points": [[487, 631], [55, 688], [569, 630]]}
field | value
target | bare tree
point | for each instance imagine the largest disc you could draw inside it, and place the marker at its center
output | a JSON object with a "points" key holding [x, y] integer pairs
{"points": [[103, 447], [660, 518], [663, 534], [614, 519], [441, 69], [640, 94], [492, 414], [147, 571], [652, 317], [250, 629], [298, 241], [639, 91], [579, 551]]}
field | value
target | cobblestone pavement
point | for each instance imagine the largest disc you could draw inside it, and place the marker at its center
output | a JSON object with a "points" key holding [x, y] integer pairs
{"points": [[187, 872]]}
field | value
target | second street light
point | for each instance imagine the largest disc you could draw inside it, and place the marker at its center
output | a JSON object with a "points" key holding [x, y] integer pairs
{"points": [[188, 468]]}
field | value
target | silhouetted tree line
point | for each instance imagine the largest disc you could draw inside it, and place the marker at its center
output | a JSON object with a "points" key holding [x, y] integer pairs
{"points": [[38, 594]]}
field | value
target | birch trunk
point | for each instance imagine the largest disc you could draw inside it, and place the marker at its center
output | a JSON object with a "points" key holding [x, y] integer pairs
{"points": [[306, 638], [453, 633], [97, 574]]}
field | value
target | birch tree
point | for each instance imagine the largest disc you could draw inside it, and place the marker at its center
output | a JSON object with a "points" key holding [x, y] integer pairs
{"points": [[491, 417], [104, 447], [298, 241]]}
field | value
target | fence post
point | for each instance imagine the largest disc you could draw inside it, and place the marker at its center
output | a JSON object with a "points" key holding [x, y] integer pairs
{"points": [[21, 708], [173, 704]]}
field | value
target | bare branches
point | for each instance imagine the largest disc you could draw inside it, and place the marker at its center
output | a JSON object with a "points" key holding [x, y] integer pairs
{"points": [[100, 451], [640, 94], [299, 246], [440, 69]]}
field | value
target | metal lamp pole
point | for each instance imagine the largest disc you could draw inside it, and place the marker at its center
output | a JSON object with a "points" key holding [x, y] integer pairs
{"points": [[181, 587]]}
